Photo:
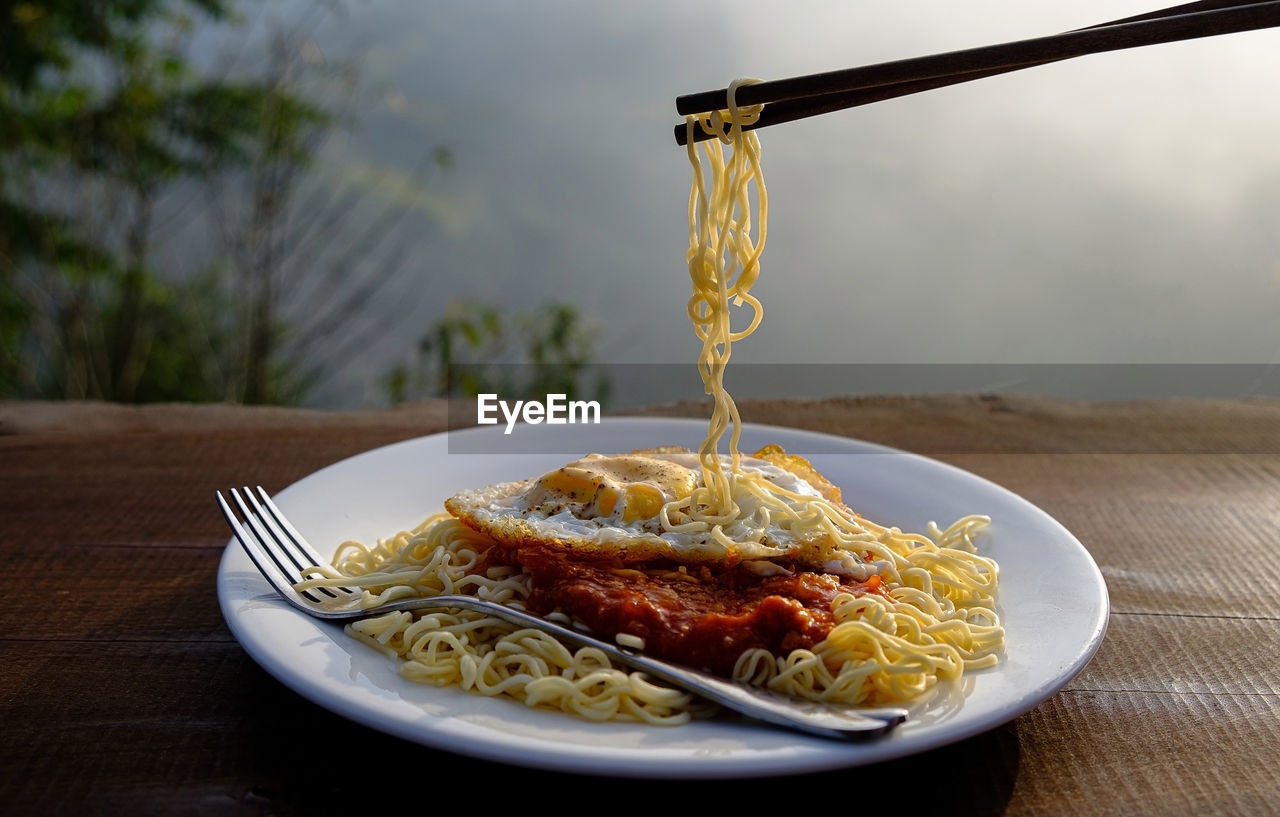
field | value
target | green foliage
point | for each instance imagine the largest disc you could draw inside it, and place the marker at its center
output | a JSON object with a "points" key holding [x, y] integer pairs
{"points": [[98, 99], [102, 117], [473, 348]]}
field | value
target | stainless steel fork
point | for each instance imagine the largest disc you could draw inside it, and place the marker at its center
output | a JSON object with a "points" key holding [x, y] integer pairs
{"points": [[281, 554]]}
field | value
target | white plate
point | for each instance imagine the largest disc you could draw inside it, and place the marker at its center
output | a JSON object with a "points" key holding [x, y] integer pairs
{"points": [[1052, 601]]}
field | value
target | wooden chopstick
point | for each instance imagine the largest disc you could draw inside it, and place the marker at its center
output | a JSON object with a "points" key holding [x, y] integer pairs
{"points": [[795, 98]]}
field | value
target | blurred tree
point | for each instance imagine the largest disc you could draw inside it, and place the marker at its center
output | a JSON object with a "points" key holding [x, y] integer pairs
{"points": [[473, 348], [307, 259], [102, 116]]}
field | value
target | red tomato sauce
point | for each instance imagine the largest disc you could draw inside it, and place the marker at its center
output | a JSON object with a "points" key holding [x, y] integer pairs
{"points": [[701, 619]]}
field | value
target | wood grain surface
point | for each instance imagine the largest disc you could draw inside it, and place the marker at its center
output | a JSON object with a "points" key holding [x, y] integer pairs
{"points": [[123, 692]]}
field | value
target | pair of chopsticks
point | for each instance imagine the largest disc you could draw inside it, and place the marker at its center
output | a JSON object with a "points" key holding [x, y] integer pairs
{"points": [[786, 100]]}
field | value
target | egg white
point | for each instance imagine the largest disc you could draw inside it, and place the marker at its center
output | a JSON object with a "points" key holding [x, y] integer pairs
{"points": [[593, 512]]}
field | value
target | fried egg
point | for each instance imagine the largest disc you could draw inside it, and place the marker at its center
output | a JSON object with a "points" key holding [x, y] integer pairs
{"points": [[611, 506]]}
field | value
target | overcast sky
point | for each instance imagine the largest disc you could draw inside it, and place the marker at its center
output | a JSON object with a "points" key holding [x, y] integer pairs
{"points": [[1118, 208]]}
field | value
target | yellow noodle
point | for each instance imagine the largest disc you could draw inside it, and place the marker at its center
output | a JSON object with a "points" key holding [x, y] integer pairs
{"points": [[936, 621], [477, 652]]}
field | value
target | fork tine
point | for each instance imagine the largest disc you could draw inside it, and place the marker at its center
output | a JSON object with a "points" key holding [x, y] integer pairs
{"points": [[252, 544], [285, 554], [296, 548], [272, 541], [308, 553]]}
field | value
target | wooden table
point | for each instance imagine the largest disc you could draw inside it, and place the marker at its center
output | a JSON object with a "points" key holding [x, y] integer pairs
{"points": [[122, 691]]}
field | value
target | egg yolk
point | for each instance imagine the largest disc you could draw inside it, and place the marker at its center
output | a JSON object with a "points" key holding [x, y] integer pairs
{"points": [[639, 486]]}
